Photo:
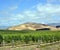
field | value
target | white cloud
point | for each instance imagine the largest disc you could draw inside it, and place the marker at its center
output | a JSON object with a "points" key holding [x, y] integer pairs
{"points": [[40, 13], [29, 13], [48, 8], [13, 7], [17, 17], [53, 1]]}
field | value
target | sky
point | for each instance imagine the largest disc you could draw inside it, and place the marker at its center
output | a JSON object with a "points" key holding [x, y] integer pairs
{"points": [[15, 12]]}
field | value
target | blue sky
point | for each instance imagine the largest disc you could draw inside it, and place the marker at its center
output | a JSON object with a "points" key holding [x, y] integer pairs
{"points": [[14, 12]]}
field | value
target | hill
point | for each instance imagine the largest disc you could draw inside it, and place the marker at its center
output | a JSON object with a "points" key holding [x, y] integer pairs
{"points": [[33, 26]]}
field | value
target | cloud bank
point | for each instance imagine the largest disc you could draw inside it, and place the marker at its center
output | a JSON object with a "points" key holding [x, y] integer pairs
{"points": [[40, 13]]}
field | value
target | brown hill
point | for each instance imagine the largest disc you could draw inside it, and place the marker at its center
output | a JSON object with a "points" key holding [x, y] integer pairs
{"points": [[33, 26]]}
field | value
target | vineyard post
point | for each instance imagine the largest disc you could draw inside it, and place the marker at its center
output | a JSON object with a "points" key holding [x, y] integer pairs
{"points": [[41, 39], [53, 39], [3, 42], [12, 43]]}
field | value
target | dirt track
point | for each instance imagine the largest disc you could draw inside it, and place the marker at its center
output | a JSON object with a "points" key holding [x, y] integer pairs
{"points": [[33, 47]]}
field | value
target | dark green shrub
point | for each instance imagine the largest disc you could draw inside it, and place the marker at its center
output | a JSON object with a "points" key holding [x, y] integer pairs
{"points": [[1, 39]]}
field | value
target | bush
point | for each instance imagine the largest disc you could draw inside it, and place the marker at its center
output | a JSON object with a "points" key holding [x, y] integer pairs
{"points": [[1, 39]]}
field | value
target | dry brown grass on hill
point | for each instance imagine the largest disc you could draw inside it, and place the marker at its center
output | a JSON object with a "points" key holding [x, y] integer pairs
{"points": [[32, 26]]}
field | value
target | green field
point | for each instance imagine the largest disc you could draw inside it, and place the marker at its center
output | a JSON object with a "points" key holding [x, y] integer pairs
{"points": [[30, 39], [27, 37]]}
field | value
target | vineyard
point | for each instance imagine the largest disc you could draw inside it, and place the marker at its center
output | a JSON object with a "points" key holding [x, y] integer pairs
{"points": [[28, 37]]}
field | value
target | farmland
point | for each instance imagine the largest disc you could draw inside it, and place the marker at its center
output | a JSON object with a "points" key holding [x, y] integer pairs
{"points": [[19, 38], [29, 36]]}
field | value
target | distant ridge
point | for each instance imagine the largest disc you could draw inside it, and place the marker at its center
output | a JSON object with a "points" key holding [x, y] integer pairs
{"points": [[3, 27], [54, 24], [33, 26]]}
